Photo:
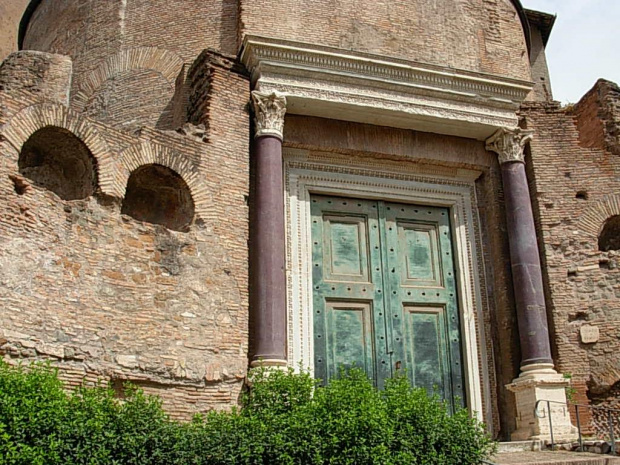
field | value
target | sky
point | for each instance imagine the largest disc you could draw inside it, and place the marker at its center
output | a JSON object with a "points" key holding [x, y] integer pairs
{"points": [[584, 44]]}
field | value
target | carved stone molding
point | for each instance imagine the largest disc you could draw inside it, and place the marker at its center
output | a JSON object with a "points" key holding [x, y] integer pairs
{"points": [[306, 174], [353, 86], [269, 110], [509, 144]]}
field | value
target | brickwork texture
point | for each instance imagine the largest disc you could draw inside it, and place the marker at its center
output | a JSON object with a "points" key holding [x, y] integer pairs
{"points": [[100, 293], [574, 170], [125, 182]]}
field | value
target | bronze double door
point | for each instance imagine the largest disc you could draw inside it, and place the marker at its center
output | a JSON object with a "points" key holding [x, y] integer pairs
{"points": [[384, 293]]}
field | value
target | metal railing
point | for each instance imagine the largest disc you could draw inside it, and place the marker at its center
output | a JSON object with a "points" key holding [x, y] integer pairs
{"points": [[609, 412]]}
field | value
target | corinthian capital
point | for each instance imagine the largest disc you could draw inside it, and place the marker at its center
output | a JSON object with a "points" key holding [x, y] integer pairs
{"points": [[269, 110], [509, 144]]}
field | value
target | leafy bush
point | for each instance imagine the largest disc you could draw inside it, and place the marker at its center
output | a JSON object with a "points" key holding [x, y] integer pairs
{"points": [[41, 424], [285, 418]]}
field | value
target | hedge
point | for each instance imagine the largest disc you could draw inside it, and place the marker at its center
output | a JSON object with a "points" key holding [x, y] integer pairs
{"points": [[285, 418]]}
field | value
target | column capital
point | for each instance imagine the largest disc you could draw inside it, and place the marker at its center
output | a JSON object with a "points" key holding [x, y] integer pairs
{"points": [[509, 144], [269, 110]]}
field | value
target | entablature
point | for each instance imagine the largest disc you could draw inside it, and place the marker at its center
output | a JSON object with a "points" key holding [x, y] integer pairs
{"points": [[340, 84]]}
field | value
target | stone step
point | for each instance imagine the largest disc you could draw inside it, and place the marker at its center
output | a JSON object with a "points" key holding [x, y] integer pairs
{"points": [[553, 458], [518, 446]]}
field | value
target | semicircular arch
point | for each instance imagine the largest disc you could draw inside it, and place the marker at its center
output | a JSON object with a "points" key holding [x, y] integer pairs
{"points": [[149, 153], [35, 117], [594, 218], [168, 64]]}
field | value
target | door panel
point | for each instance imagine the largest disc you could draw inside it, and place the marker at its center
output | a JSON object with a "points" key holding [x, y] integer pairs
{"points": [[349, 330], [425, 318], [346, 251], [426, 348], [421, 265], [385, 292], [349, 320]]}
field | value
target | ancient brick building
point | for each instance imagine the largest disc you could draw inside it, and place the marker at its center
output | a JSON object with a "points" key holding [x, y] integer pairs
{"points": [[188, 188]]}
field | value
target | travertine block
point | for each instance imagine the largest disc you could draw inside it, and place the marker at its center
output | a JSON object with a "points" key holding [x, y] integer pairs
{"points": [[536, 417]]}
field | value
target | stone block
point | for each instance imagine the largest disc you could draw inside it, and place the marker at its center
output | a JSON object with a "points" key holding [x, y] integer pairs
{"points": [[540, 395]]}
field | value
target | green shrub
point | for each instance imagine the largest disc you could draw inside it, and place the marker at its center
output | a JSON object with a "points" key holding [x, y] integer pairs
{"points": [[41, 424], [285, 418]]}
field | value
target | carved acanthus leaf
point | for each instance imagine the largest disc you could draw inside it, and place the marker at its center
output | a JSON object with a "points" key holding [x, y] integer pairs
{"points": [[509, 144], [269, 110]]}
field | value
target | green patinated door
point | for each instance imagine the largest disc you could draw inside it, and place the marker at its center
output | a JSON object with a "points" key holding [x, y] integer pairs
{"points": [[385, 292]]}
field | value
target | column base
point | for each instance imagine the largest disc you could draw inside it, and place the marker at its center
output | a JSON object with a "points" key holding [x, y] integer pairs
{"points": [[540, 382], [271, 363]]}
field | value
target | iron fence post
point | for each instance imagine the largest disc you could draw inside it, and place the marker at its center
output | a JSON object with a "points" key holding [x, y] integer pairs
{"points": [[550, 425], [610, 420], [579, 427]]}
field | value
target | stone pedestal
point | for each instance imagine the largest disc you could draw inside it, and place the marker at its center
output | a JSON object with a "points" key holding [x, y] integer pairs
{"points": [[536, 385]]}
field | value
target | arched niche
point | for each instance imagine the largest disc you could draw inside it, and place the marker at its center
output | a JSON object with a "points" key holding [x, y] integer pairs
{"points": [[156, 194], [55, 159], [609, 238]]}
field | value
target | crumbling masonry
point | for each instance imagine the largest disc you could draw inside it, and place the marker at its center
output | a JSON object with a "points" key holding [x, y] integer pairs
{"points": [[190, 188]]}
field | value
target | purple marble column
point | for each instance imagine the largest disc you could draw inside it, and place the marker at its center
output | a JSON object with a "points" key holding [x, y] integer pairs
{"points": [[538, 380], [268, 274], [524, 257]]}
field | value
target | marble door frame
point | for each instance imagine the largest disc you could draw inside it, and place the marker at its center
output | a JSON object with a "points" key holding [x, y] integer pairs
{"points": [[311, 173]]}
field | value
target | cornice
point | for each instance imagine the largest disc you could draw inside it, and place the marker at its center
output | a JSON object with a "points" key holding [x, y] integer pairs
{"points": [[328, 82], [280, 53]]}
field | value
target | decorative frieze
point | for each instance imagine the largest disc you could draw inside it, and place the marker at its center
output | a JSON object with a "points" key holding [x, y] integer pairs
{"points": [[269, 110], [509, 144], [353, 86]]}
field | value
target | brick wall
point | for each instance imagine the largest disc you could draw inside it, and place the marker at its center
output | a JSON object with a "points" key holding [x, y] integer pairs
{"points": [[131, 99], [87, 32], [540, 70], [482, 36], [107, 297], [90, 31], [117, 45], [574, 180], [598, 117], [42, 75]]}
